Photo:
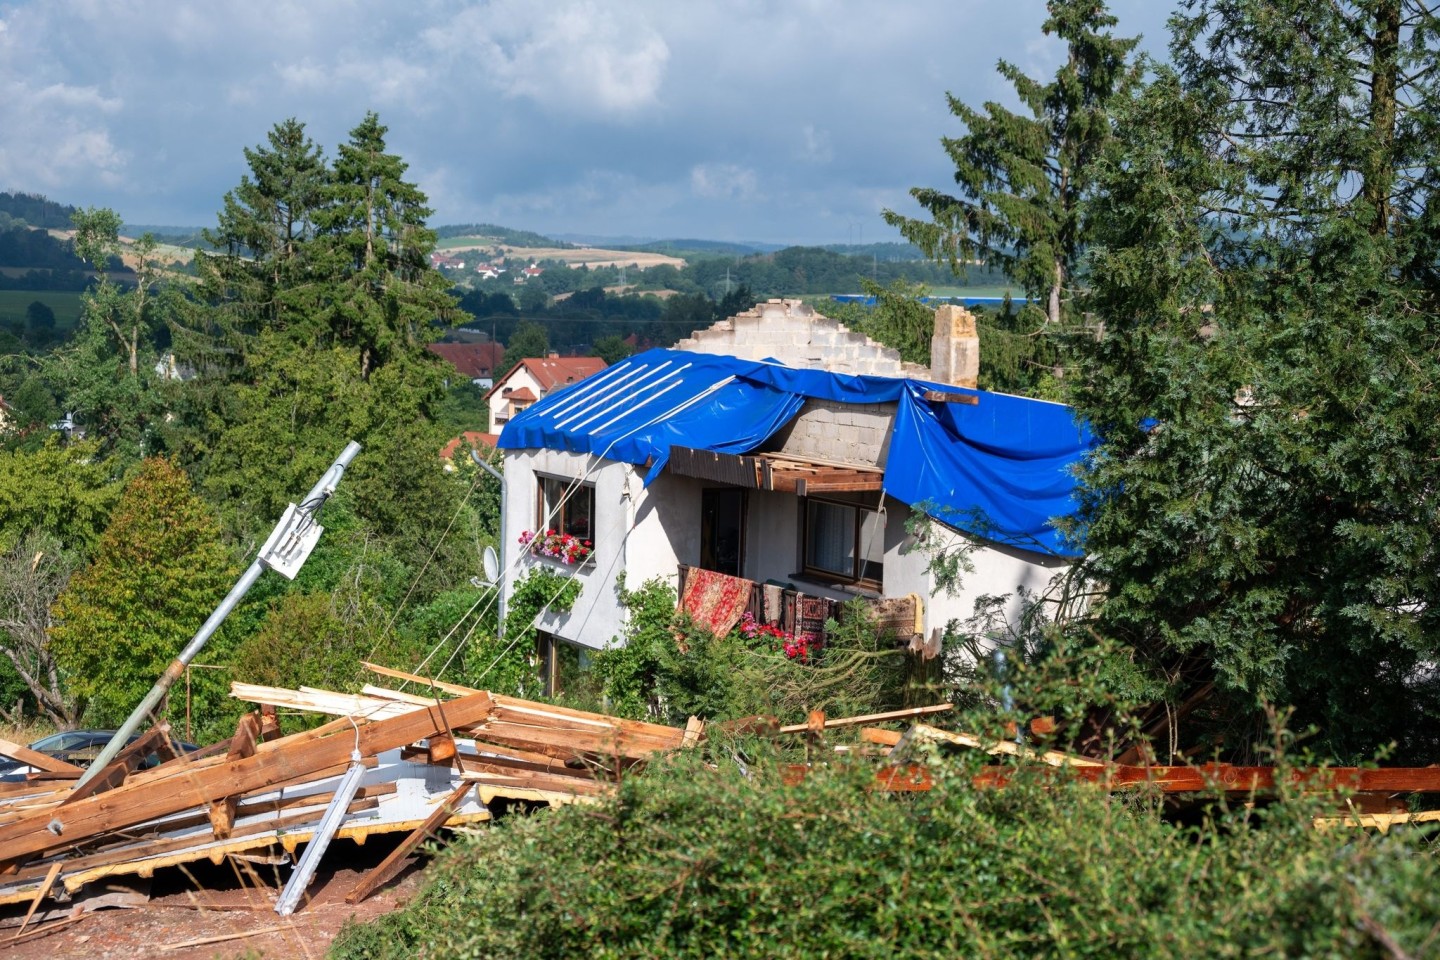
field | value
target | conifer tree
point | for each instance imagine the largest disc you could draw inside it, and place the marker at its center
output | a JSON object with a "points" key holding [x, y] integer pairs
{"points": [[1023, 180], [384, 295], [1263, 510], [264, 231]]}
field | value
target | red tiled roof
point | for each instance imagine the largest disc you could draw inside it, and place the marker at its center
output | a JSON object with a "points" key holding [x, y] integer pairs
{"points": [[472, 438], [471, 359], [524, 395], [552, 372]]}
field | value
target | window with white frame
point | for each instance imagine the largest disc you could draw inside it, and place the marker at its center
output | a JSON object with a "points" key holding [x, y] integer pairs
{"points": [[843, 541]]}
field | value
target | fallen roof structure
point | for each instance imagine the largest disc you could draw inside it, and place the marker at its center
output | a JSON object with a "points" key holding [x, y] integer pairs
{"points": [[401, 761], [428, 762]]}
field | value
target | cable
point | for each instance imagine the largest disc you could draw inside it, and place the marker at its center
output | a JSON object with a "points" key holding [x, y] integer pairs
{"points": [[436, 549]]}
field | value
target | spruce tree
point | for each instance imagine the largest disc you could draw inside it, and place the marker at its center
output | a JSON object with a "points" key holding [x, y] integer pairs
{"points": [[384, 298], [266, 224], [1262, 513]]}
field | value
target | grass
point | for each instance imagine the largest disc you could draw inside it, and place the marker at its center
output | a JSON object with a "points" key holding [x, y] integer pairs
{"points": [[27, 732], [66, 304]]}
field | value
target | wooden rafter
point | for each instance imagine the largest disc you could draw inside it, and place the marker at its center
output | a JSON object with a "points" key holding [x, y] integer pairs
{"points": [[776, 471]]}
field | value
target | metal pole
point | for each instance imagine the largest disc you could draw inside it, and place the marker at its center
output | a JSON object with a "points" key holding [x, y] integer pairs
{"points": [[320, 491], [324, 833], [504, 544]]}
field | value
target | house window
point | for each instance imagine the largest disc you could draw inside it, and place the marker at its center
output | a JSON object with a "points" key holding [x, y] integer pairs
{"points": [[567, 507], [843, 541], [565, 669]]}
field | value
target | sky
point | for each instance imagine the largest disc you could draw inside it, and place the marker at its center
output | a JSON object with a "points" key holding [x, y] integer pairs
{"points": [[776, 121]]}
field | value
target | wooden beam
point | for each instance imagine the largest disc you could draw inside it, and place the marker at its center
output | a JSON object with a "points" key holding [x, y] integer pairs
{"points": [[395, 862], [242, 745], [123, 765], [946, 396], [416, 678], [1053, 758], [272, 762], [887, 738], [45, 886], [871, 718], [40, 761]]}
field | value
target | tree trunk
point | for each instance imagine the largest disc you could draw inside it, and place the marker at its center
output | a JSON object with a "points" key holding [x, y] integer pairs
{"points": [[1052, 313], [1379, 172]]}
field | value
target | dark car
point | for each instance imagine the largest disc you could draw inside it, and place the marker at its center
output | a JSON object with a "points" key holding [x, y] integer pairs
{"points": [[79, 747]]}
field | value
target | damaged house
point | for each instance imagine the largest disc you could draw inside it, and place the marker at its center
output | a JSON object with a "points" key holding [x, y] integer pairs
{"points": [[770, 464]]}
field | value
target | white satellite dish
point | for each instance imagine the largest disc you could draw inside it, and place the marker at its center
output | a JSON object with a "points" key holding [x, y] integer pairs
{"points": [[492, 565]]}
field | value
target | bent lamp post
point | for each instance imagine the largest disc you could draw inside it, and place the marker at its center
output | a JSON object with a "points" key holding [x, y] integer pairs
{"points": [[286, 549]]}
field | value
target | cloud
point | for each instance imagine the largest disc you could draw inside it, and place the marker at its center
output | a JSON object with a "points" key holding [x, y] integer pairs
{"points": [[724, 181], [571, 57], [784, 120]]}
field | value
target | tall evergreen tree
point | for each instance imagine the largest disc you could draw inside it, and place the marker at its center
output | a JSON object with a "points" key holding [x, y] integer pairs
{"points": [[1263, 510], [264, 232], [1023, 180], [386, 296]]}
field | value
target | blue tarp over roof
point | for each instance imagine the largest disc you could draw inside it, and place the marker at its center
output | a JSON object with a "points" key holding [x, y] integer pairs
{"points": [[1002, 468]]}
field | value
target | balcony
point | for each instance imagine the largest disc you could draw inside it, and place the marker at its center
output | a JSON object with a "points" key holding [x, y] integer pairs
{"points": [[796, 612]]}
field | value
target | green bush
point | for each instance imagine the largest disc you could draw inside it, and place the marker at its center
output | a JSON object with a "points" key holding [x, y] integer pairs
{"points": [[668, 668], [694, 860]]}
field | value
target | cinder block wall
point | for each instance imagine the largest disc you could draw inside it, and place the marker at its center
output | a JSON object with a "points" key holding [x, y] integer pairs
{"points": [[857, 433], [796, 335]]}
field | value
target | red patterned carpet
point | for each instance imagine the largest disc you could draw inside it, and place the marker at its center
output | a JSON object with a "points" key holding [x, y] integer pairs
{"points": [[715, 600]]}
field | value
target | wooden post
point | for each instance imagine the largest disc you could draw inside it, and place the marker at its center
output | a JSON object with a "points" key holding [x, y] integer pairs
{"points": [[394, 863]]}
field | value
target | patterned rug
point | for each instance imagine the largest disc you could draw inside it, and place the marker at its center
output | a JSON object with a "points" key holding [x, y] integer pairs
{"points": [[812, 614], [715, 600]]}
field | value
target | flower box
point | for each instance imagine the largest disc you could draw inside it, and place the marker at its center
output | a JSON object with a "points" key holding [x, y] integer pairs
{"points": [[554, 545]]}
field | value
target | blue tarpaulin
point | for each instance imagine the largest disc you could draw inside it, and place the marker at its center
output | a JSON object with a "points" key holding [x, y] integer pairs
{"points": [[1002, 468]]}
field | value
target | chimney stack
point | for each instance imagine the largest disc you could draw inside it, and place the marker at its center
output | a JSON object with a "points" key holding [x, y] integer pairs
{"points": [[955, 347]]}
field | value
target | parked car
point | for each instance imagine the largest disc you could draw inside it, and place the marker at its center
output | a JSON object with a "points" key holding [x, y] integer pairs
{"points": [[79, 747]]}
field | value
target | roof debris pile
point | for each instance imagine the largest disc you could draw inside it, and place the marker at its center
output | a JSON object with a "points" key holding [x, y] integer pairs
{"points": [[391, 762], [398, 761]]}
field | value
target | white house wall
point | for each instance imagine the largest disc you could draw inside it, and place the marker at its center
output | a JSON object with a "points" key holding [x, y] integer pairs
{"points": [[647, 533], [638, 532], [998, 570]]}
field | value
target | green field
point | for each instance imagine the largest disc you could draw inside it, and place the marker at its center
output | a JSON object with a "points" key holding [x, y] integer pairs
{"points": [[66, 305]]}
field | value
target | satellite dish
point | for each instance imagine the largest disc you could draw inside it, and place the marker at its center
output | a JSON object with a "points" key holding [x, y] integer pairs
{"points": [[492, 565]]}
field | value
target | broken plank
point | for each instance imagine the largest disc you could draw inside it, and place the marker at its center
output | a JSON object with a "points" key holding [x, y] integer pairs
{"points": [[242, 745], [392, 864], [871, 718], [123, 765], [223, 937], [879, 735], [1054, 758], [416, 678], [45, 886]]}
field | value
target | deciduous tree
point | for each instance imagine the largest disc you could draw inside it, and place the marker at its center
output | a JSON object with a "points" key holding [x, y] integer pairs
{"points": [[158, 572]]}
